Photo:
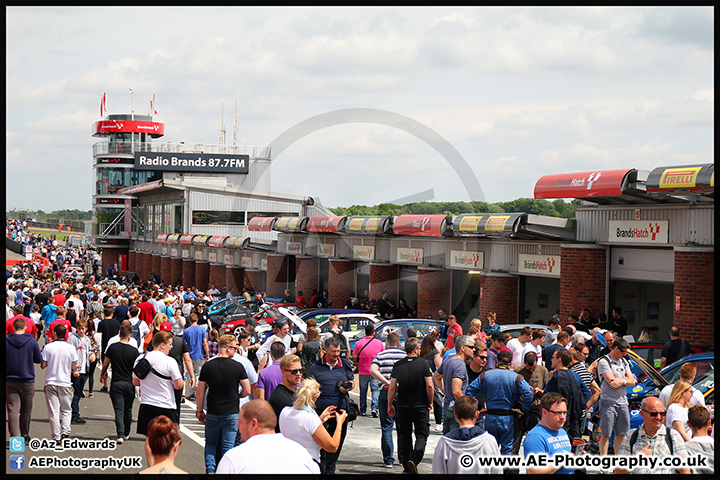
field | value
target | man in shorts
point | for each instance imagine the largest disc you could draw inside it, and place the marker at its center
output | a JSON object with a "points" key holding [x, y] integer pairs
{"points": [[615, 375]]}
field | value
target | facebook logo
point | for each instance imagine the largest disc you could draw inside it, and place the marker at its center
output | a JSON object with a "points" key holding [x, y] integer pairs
{"points": [[17, 462], [17, 444]]}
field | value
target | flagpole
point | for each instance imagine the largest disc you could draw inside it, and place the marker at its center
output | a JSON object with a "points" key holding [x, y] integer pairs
{"points": [[132, 117]]}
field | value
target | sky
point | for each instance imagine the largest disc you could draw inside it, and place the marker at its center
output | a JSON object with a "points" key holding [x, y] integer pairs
{"points": [[516, 93]]}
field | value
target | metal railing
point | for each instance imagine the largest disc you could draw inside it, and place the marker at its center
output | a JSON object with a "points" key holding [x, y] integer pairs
{"points": [[128, 148]]}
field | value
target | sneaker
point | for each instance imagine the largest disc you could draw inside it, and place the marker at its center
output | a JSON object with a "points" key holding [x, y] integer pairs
{"points": [[388, 465], [438, 427], [375, 414], [65, 435], [78, 421], [103, 389], [119, 440], [412, 468], [90, 395]]}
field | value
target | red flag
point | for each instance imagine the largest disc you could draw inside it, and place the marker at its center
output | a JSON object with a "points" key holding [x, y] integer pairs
{"points": [[152, 106], [103, 108]]}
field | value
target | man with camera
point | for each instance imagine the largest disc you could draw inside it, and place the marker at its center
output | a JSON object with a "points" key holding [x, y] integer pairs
{"points": [[336, 379]]}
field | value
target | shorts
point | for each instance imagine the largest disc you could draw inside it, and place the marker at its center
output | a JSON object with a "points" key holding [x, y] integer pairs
{"points": [[148, 412], [614, 416]]}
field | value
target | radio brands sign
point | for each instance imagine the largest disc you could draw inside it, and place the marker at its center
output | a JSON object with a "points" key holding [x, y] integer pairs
{"points": [[364, 252], [539, 264], [642, 231], [469, 260], [192, 162]]}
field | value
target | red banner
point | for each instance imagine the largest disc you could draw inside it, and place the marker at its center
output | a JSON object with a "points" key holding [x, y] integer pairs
{"points": [[261, 224], [326, 224], [186, 239], [422, 225], [104, 127], [217, 240], [601, 183]]}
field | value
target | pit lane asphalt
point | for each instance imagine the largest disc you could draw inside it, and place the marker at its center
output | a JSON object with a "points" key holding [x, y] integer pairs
{"points": [[360, 454]]}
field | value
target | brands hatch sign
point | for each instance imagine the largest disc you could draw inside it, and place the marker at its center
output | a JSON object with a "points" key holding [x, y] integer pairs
{"points": [[643, 231], [192, 162]]}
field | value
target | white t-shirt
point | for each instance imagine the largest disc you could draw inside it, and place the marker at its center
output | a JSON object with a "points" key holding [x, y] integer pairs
{"points": [[677, 413], [300, 425], [59, 356], [516, 347], [158, 391], [697, 396], [259, 454], [251, 373], [265, 347], [144, 330], [116, 339], [529, 347]]}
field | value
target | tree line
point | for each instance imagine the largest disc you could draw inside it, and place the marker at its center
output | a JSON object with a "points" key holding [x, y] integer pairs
{"points": [[41, 216], [557, 208]]}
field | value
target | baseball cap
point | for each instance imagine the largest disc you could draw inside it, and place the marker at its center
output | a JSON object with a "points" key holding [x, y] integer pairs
{"points": [[504, 356], [166, 327], [250, 322], [167, 300], [498, 335], [279, 323]]}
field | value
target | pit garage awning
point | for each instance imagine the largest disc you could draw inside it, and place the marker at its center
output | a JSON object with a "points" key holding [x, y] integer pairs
{"points": [[326, 224], [369, 225], [423, 225], [683, 180], [518, 225]]}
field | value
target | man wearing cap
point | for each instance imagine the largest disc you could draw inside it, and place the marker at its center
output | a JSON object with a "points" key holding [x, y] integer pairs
{"points": [[282, 335], [503, 389], [497, 343]]}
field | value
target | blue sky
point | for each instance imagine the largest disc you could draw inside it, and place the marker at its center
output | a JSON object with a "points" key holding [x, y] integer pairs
{"points": [[518, 92]]}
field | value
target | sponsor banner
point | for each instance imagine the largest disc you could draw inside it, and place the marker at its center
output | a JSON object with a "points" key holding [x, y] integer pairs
{"points": [[217, 241], [364, 252], [421, 225], [539, 264], [633, 231], [192, 162], [293, 248], [326, 249], [227, 259], [164, 250], [290, 224], [173, 238], [200, 240], [601, 183], [174, 251], [154, 129], [326, 224], [246, 262], [261, 224], [186, 239], [212, 257], [691, 178], [504, 224], [162, 238], [410, 255], [185, 253], [198, 254], [263, 264], [237, 242], [368, 225], [115, 161], [469, 260]]}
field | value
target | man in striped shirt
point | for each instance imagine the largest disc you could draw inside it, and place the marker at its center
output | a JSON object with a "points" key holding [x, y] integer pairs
{"points": [[381, 368], [579, 354]]}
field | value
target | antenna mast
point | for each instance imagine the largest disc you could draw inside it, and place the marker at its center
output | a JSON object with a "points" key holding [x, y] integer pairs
{"points": [[222, 126], [236, 125]]}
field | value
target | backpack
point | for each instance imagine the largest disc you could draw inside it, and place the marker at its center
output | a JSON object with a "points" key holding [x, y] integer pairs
{"points": [[601, 378], [142, 368], [668, 439], [343, 345], [135, 333], [148, 339]]}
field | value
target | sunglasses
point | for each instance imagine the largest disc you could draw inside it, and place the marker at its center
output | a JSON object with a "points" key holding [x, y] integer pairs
{"points": [[654, 414], [295, 371]]}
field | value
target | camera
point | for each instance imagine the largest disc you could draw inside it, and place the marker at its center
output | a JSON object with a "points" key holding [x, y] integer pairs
{"points": [[346, 385]]}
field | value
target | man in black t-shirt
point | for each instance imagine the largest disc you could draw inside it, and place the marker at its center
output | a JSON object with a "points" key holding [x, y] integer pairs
{"points": [[415, 400], [675, 349], [227, 381], [284, 394], [122, 355]]}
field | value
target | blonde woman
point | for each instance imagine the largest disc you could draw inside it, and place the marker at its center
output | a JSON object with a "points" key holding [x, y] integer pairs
{"points": [[677, 411], [157, 321], [302, 423]]}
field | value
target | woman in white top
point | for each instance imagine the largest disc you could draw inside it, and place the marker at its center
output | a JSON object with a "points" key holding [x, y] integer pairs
{"points": [[302, 424], [677, 411]]}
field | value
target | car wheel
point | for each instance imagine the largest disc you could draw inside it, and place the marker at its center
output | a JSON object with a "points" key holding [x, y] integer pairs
{"points": [[238, 330]]}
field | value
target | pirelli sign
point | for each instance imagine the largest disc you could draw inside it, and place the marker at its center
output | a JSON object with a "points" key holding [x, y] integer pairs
{"points": [[503, 224], [686, 179]]}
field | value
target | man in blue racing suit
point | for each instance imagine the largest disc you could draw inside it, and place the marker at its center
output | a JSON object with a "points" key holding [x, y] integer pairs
{"points": [[502, 388]]}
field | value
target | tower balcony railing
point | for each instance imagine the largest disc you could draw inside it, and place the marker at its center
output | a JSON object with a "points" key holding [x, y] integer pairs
{"points": [[129, 148]]}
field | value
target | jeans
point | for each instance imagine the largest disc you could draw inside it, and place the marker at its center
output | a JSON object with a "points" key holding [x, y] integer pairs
{"points": [[411, 418], [375, 393], [19, 398], [386, 427], [219, 429], [78, 383], [328, 460], [449, 420], [122, 396]]}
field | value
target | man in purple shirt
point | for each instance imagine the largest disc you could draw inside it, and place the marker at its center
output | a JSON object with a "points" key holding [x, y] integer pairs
{"points": [[363, 355], [271, 376]]}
